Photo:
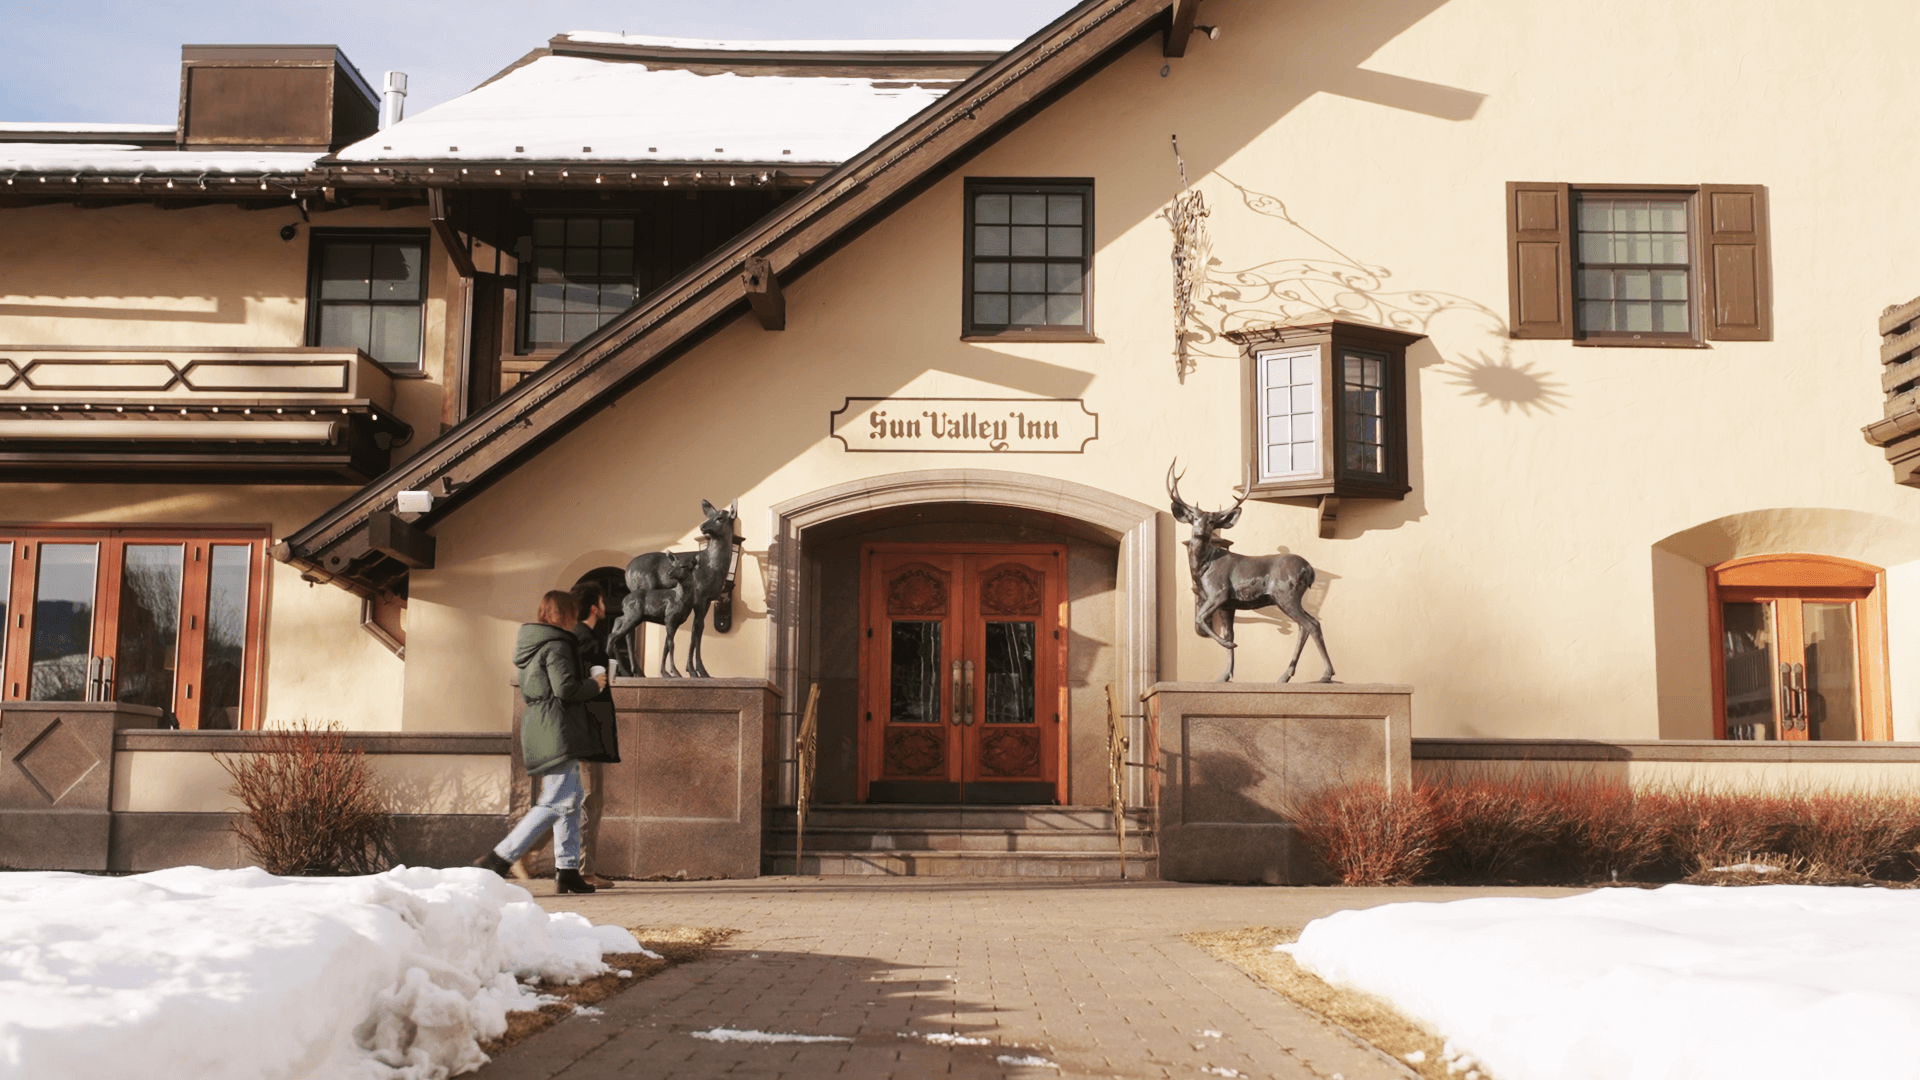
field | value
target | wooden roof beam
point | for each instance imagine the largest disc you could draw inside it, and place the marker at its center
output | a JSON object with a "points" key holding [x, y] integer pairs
{"points": [[1182, 16], [763, 293]]}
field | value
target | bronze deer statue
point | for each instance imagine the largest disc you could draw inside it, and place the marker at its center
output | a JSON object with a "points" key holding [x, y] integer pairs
{"points": [[1224, 582], [669, 587]]}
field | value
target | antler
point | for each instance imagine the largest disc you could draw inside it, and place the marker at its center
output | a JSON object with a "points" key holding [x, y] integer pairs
{"points": [[1246, 489], [1173, 484]]}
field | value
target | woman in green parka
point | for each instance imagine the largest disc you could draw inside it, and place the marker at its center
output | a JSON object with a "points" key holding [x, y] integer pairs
{"points": [[555, 734]]}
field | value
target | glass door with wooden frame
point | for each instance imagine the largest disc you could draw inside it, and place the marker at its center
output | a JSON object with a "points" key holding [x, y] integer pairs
{"points": [[963, 673], [166, 618], [1800, 649]]}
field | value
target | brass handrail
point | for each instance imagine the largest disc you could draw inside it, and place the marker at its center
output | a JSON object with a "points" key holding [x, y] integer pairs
{"points": [[1117, 743], [806, 748]]}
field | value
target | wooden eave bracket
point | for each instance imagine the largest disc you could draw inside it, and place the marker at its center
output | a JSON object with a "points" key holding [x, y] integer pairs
{"points": [[1182, 15], [763, 293], [1329, 515], [397, 538]]}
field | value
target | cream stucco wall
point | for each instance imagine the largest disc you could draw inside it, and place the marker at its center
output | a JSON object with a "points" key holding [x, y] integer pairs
{"points": [[204, 276], [320, 666], [189, 782], [1536, 581]]}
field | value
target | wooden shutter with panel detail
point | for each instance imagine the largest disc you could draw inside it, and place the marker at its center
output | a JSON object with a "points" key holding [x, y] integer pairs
{"points": [[1539, 260], [1735, 276]]}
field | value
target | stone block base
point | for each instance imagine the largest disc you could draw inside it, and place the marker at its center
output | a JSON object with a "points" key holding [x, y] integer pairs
{"points": [[684, 799], [1236, 759]]}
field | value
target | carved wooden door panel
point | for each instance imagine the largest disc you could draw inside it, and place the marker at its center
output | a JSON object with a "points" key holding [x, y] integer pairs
{"points": [[963, 673]]}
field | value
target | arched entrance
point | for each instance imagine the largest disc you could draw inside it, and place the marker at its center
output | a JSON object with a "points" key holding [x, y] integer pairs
{"points": [[1111, 556]]}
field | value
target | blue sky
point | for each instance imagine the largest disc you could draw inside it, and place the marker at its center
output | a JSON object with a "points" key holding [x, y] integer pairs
{"points": [[118, 60]]}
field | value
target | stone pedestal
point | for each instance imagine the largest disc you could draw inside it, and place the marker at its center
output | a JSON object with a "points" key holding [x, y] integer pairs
{"points": [[56, 781], [684, 801], [1236, 757]]}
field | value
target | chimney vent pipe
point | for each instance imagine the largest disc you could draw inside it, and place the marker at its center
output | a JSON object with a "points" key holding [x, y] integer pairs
{"points": [[394, 100]]}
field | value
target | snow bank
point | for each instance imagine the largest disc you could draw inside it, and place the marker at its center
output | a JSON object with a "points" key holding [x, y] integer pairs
{"points": [[867, 45], [194, 974], [1770, 981]]}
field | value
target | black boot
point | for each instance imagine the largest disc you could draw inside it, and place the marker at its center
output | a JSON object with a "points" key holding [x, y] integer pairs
{"points": [[493, 862], [570, 881]]}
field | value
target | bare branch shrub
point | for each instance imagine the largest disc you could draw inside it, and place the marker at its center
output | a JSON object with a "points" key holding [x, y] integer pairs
{"points": [[1492, 829], [1855, 834], [312, 808], [1365, 834]]}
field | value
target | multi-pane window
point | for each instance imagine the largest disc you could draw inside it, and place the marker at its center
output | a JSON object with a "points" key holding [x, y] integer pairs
{"points": [[581, 276], [135, 615], [1635, 265], [1326, 410], [1289, 393], [1365, 406], [1028, 251], [368, 293]]}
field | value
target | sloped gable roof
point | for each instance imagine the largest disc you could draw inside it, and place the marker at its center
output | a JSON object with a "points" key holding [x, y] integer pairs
{"points": [[342, 547]]}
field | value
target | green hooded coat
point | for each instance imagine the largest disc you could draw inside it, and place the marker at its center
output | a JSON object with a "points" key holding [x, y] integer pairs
{"points": [[554, 728]]}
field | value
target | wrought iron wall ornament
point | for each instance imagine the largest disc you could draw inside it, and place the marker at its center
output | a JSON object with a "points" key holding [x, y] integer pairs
{"points": [[1187, 217], [1224, 582], [669, 587]]}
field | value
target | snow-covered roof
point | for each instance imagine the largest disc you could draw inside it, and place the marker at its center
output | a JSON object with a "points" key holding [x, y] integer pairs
{"points": [[651, 109], [118, 158], [23, 127], [862, 45]]}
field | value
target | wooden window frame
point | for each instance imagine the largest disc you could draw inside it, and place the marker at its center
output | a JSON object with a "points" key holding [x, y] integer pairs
{"points": [[1331, 340], [317, 239], [1808, 577], [542, 353], [985, 185], [1729, 258], [16, 642]]}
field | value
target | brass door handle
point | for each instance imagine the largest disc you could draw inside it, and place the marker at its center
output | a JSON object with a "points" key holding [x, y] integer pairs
{"points": [[959, 711], [969, 679]]}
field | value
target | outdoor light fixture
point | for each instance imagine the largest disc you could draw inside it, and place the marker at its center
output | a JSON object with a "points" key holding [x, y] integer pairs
{"points": [[287, 232], [415, 502]]}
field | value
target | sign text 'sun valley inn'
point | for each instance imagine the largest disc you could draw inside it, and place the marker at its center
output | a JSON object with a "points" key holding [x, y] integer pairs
{"points": [[965, 425]]}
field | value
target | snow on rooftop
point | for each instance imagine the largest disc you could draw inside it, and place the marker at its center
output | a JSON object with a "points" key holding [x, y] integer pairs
{"points": [[9, 127], [1767, 982], [121, 158], [858, 45], [567, 108]]}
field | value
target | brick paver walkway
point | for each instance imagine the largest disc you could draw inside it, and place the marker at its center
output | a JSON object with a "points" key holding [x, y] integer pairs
{"points": [[1092, 979]]}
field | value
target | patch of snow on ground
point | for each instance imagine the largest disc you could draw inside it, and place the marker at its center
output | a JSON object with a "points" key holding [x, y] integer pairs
{"points": [[942, 1038], [1025, 1059], [1682, 981], [721, 1034], [195, 974], [1745, 868]]}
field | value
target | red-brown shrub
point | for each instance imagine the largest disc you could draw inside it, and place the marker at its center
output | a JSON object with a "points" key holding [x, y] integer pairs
{"points": [[1365, 834], [1491, 829], [311, 804], [1854, 834], [1479, 829]]}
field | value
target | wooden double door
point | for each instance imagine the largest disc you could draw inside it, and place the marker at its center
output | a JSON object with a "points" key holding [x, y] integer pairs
{"points": [[963, 651]]}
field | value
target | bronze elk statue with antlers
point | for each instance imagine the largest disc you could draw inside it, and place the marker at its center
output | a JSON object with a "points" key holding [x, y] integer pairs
{"points": [[669, 587], [1224, 582]]}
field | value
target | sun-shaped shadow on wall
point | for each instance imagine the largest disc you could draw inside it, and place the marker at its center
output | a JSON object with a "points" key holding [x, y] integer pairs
{"points": [[1506, 384]]}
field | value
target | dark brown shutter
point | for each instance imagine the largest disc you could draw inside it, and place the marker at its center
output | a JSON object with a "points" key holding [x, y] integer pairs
{"points": [[1539, 261], [1735, 265]]}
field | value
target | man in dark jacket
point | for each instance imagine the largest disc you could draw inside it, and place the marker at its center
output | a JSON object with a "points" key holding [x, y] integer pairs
{"points": [[592, 606], [554, 737]]}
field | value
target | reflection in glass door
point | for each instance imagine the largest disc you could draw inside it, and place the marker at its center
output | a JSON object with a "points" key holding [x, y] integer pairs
{"points": [[134, 616], [60, 662], [1801, 649]]}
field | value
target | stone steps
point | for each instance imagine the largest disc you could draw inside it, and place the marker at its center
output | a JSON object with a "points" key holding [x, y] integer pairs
{"points": [[959, 841]]}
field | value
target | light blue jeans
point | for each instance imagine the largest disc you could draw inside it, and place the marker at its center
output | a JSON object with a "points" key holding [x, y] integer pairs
{"points": [[559, 807]]}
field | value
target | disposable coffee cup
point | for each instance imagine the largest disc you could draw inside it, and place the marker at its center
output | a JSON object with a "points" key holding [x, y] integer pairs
{"points": [[596, 671]]}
